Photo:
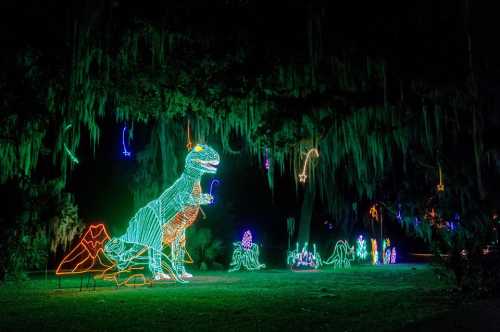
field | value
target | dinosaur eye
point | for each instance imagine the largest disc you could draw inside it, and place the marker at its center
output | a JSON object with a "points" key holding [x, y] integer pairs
{"points": [[198, 148]]}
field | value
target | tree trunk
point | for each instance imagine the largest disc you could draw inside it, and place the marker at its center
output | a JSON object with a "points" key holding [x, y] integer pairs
{"points": [[306, 214], [476, 139], [163, 152]]}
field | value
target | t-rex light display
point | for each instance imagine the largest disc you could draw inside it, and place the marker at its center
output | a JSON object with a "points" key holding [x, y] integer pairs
{"points": [[164, 220]]}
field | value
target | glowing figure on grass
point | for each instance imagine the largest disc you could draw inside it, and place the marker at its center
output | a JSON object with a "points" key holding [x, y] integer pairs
{"points": [[303, 175], [386, 251], [374, 252], [164, 220], [303, 259], [389, 252], [246, 254], [361, 252], [342, 255], [393, 255]]}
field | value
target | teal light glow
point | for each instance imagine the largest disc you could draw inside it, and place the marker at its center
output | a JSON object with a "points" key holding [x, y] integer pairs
{"points": [[386, 251], [374, 253], [246, 255], [71, 155], [361, 252], [342, 255], [163, 222]]}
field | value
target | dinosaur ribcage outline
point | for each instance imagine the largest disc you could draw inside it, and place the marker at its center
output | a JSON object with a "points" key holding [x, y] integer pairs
{"points": [[182, 220]]}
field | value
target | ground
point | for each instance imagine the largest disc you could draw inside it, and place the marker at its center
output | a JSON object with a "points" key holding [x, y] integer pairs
{"points": [[363, 298]]}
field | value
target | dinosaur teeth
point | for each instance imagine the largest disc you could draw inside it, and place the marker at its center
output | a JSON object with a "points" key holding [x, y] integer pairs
{"points": [[210, 165]]}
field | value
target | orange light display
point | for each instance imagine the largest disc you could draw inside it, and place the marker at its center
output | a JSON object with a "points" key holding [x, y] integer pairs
{"points": [[440, 186], [374, 212], [189, 144], [88, 254]]}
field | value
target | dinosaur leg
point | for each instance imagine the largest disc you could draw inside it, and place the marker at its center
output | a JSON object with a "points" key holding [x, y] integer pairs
{"points": [[124, 254], [178, 255], [155, 265]]}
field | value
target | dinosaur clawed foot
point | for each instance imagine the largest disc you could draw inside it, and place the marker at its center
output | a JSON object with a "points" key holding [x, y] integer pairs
{"points": [[161, 276]]}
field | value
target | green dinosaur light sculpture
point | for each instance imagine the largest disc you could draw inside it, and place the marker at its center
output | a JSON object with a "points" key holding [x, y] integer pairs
{"points": [[163, 222], [246, 254], [342, 255]]}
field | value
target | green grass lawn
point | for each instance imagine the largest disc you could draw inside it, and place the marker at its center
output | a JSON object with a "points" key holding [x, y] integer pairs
{"points": [[363, 298]]}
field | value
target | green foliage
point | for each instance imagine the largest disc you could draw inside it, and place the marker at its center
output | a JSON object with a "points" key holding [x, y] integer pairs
{"points": [[66, 226], [27, 251], [203, 248], [25, 235], [23, 123]]}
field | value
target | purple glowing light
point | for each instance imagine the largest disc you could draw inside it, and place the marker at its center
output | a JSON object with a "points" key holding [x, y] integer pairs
{"points": [[267, 162], [125, 152], [214, 181], [393, 255], [246, 242]]}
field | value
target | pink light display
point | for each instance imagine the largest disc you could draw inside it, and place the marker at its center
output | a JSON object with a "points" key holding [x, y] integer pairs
{"points": [[246, 242]]}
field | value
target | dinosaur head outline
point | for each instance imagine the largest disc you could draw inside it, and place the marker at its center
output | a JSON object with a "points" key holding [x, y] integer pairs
{"points": [[203, 158]]}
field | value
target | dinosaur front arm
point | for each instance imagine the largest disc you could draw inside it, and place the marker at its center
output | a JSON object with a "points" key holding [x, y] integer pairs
{"points": [[182, 200], [205, 199]]}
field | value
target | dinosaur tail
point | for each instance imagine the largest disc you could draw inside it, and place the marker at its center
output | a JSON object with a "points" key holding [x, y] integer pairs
{"points": [[88, 255]]}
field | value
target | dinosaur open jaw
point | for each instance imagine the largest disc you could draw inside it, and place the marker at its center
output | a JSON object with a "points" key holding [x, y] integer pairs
{"points": [[210, 165]]}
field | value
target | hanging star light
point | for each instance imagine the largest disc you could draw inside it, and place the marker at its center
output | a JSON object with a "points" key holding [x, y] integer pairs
{"points": [[125, 152], [374, 212], [211, 192], [399, 217], [71, 155], [440, 186], [267, 163], [189, 144], [303, 175], [246, 254]]}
